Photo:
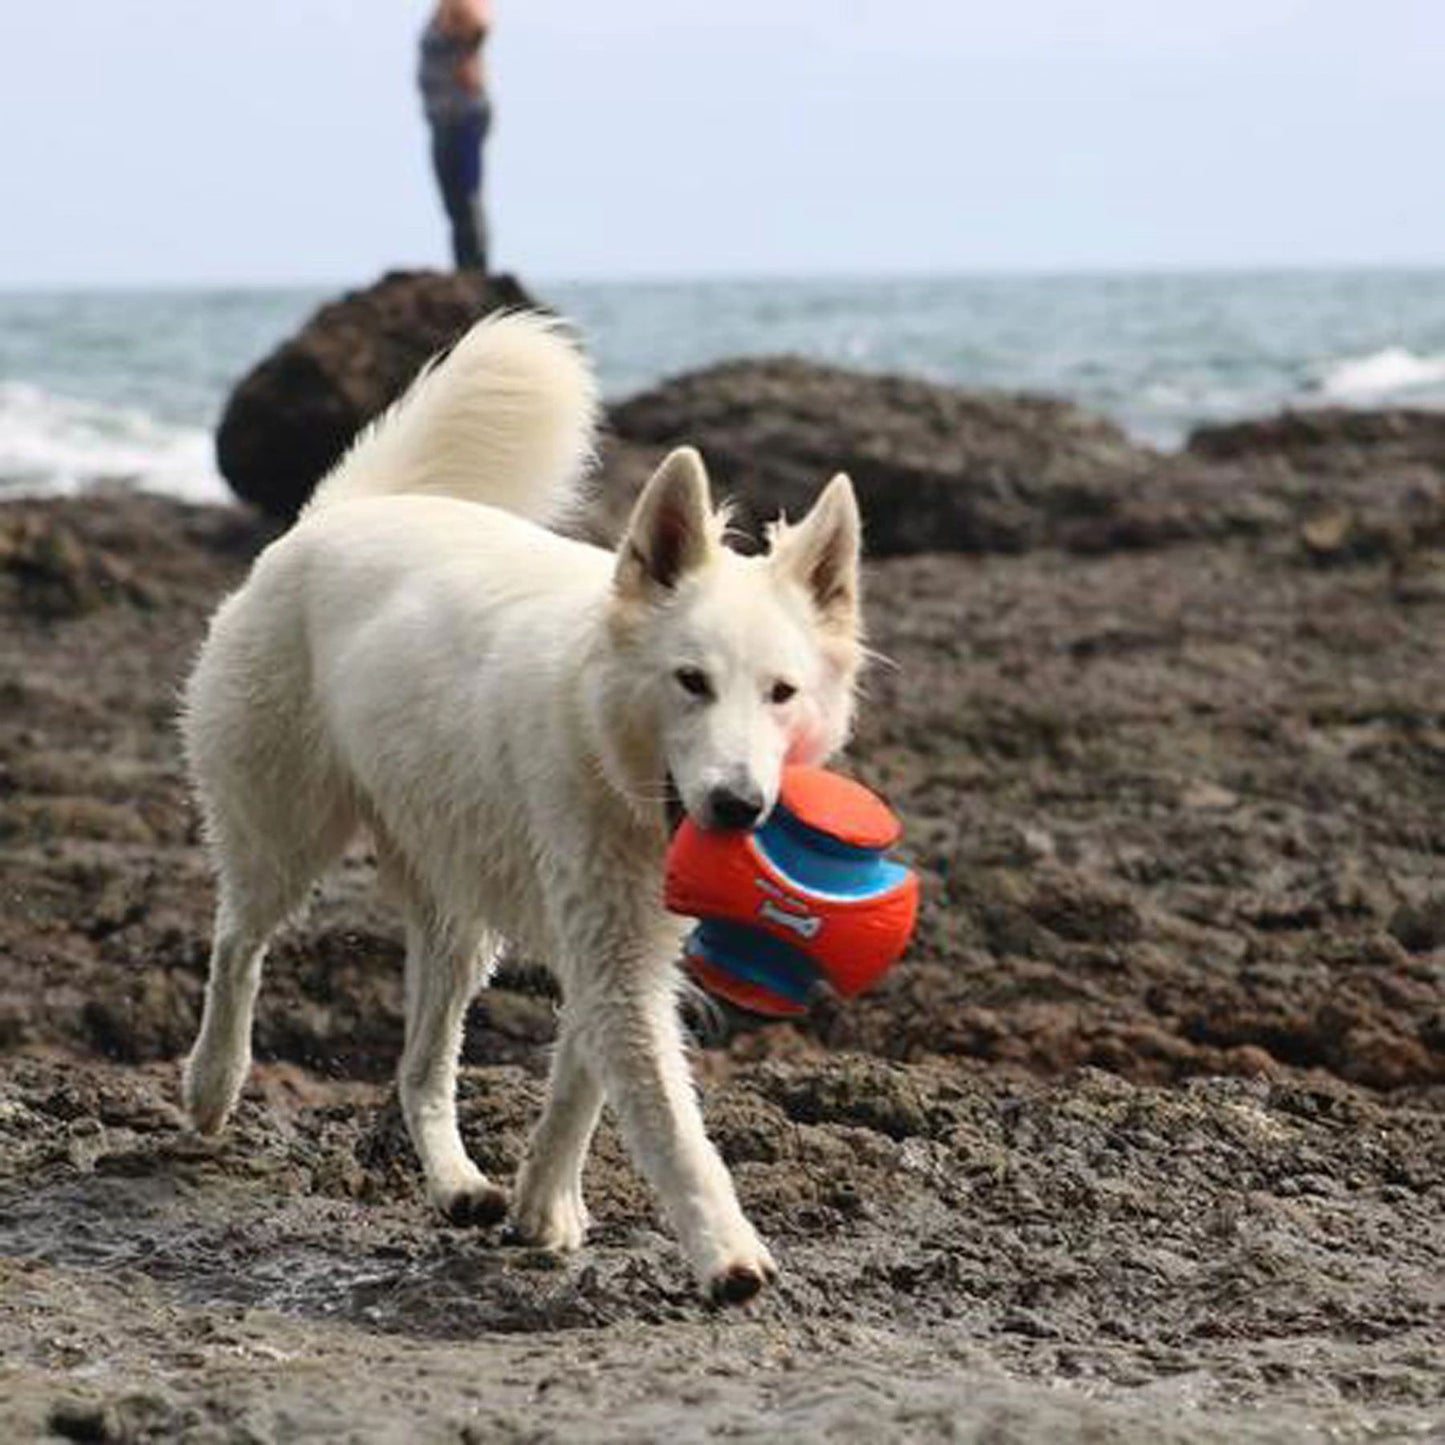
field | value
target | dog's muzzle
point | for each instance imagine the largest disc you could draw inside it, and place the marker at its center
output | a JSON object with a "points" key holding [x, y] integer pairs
{"points": [[672, 805]]}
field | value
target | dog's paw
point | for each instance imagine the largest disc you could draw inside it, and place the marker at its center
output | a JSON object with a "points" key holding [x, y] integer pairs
{"points": [[737, 1277], [739, 1281], [210, 1088], [476, 1206], [559, 1223]]}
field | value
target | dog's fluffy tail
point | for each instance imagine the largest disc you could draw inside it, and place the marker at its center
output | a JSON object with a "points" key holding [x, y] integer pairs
{"points": [[507, 417]]}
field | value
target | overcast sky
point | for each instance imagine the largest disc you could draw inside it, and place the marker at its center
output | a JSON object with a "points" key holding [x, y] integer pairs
{"points": [[147, 141]]}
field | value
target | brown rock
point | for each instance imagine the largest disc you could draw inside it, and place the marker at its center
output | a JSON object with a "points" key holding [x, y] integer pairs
{"points": [[1333, 437], [1420, 925], [56, 574], [936, 468], [288, 421]]}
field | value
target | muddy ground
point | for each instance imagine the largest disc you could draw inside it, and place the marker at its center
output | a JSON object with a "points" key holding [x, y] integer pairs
{"points": [[1143, 1142]]}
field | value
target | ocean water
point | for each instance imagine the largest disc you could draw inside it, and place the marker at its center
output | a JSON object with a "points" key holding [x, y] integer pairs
{"points": [[105, 386]]}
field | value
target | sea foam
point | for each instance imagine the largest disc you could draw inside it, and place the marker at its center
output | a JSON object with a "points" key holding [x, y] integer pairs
{"points": [[1392, 373], [56, 445]]}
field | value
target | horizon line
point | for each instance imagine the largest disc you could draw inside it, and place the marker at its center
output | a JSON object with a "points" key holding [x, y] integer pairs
{"points": [[782, 276]]}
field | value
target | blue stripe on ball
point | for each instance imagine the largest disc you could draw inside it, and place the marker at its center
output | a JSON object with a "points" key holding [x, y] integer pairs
{"points": [[755, 957], [819, 863]]}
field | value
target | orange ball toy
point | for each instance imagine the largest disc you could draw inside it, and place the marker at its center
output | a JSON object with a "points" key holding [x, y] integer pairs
{"points": [[806, 902]]}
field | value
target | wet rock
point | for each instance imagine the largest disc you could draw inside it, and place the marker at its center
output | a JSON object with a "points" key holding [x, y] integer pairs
{"points": [[1338, 438], [864, 1093], [51, 572], [1357, 486], [137, 1416], [1179, 817], [1420, 926], [289, 420], [935, 468], [1093, 891], [71, 818], [84, 1420], [1073, 909], [1418, 577], [1207, 797], [1346, 534]]}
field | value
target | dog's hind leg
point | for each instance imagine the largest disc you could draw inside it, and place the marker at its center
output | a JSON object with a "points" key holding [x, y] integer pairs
{"points": [[548, 1209], [258, 888], [443, 972], [220, 1059]]}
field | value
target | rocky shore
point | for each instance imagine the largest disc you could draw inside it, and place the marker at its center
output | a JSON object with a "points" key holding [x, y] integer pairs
{"points": [[1143, 1141]]}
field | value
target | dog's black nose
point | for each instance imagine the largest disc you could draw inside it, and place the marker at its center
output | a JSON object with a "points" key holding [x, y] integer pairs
{"points": [[735, 807]]}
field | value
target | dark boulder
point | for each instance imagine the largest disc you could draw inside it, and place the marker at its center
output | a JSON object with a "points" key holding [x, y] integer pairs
{"points": [[936, 468], [1359, 486], [1334, 439], [292, 417]]}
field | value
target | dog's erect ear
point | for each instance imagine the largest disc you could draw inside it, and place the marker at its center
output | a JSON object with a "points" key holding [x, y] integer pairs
{"points": [[670, 531], [822, 553]]}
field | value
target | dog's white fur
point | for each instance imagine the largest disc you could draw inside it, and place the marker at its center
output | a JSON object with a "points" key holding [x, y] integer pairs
{"points": [[504, 708]]}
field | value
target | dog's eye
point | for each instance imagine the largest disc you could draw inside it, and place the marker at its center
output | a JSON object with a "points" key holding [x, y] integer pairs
{"points": [[781, 692], [693, 681]]}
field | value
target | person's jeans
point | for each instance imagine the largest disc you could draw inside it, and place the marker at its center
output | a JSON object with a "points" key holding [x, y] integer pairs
{"points": [[456, 152]]}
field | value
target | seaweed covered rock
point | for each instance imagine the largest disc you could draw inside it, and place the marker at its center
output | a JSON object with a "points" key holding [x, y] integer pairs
{"points": [[1330, 438], [290, 419], [936, 468], [48, 570]]}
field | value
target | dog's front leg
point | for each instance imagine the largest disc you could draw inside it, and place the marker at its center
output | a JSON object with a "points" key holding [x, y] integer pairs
{"points": [[626, 1019], [547, 1207]]}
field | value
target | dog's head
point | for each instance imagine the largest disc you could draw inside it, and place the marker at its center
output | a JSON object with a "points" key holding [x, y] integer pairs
{"points": [[747, 662]]}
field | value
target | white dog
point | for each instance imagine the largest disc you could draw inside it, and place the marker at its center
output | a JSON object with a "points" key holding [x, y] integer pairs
{"points": [[505, 710]]}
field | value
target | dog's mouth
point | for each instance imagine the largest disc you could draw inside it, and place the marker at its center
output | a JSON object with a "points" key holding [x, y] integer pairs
{"points": [[672, 806]]}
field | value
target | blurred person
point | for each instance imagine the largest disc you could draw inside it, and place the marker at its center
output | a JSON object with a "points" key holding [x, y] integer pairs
{"points": [[459, 114]]}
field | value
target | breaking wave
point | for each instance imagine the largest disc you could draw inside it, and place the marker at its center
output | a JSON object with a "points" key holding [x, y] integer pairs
{"points": [[53, 445], [1391, 374]]}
